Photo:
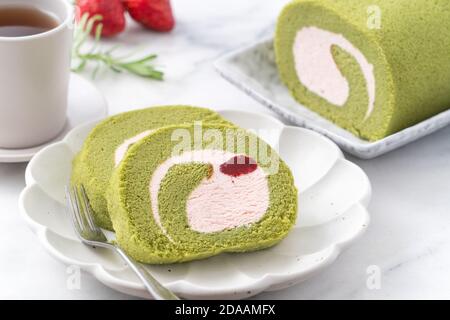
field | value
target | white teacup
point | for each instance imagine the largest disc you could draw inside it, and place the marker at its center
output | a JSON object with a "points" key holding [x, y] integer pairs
{"points": [[34, 79]]}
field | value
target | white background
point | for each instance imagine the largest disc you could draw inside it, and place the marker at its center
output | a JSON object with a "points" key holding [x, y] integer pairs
{"points": [[410, 230]]}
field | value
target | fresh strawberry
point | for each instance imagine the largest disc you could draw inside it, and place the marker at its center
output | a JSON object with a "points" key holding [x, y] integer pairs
{"points": [[112, 12], [153, 14]]}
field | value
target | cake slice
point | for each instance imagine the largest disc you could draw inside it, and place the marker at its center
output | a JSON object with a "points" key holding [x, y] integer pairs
{"points": [[193, 191], [373, 67], [108, 143]]}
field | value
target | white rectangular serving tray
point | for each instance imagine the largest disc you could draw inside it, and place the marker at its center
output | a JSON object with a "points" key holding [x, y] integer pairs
{"points": [[253, 70]]}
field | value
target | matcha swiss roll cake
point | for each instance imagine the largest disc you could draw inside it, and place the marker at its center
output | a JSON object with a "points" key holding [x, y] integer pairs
{"points": [[373, 67], [107, 144], [189, 192]]}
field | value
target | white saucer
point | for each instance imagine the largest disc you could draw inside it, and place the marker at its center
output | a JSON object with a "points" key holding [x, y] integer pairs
{"points": [[86, 104]]}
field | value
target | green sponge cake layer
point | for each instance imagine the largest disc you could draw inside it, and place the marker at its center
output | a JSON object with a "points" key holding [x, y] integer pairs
{"points": [[189, 192], [108, 143], [373, 67]]}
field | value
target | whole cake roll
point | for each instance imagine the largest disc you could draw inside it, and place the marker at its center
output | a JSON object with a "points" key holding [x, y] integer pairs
{"points": [[374, 67], [108, 143], [188, 192]]}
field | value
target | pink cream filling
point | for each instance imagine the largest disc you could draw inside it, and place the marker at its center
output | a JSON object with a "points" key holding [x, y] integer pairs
{"points": [[221, 201], [317, 70]]}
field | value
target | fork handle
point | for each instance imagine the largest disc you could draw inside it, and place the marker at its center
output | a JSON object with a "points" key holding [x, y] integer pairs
{"points": [[158, 291]]}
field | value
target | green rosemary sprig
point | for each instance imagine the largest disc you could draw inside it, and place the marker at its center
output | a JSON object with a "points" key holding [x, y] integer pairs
{"points": [[142, 67]]}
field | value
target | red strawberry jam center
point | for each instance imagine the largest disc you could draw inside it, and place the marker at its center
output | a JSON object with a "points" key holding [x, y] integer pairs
{"points": [[238, 166]]}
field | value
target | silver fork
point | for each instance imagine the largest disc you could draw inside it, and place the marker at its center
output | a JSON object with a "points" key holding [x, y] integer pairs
{"points": [[91, 235]]}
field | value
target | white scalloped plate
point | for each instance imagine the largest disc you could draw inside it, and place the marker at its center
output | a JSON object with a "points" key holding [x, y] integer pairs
{"points": [[333, 197]]}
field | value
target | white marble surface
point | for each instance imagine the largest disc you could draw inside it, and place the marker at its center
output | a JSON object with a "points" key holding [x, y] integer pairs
{"points": [[410, 231]]}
